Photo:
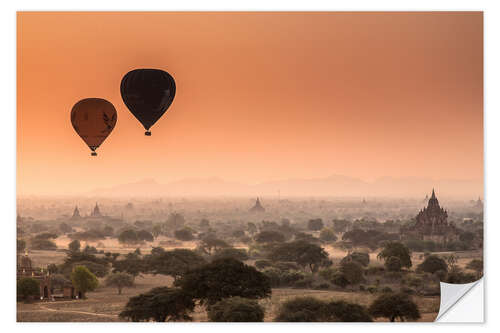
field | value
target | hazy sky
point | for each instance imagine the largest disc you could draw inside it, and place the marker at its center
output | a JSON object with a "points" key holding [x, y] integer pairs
{"points": [[260, 96]]}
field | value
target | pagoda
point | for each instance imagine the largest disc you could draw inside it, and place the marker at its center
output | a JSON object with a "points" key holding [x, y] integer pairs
{"points": [[257, 207]]}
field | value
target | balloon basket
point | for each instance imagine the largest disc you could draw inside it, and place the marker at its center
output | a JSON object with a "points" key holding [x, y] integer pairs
{"points": [[147, 133], [93, 153]]}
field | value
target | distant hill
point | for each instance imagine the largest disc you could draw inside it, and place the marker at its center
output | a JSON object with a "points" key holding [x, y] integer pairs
{"points": [[336, 185]]}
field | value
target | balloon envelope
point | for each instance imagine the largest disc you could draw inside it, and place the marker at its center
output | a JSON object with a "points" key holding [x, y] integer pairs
{"points": [[93, 119], [147, 93]]}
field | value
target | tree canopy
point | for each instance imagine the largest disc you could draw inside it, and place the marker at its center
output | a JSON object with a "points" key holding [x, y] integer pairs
{"points": [[174, 263], [83, 280], [159, 304], [396, 249], [303, 253], [393, 306], [120, 281], [432, 264], [236, 309], [27, 288], [224, 278]]}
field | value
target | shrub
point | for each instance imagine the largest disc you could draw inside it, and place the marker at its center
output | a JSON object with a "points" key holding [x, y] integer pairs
{"points": [[432, 264], [27, 288], [236, 309], [387, 290]]}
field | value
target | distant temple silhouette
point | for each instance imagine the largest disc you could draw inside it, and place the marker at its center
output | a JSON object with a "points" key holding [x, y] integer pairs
{"points": [[96, 212], [432, 224], [76, 214], [257, 207]]}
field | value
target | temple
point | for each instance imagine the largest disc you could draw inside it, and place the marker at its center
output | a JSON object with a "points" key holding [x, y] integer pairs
{"points": [[257, 207], [96, 212], [76, 214], [25, 269], [432, 224]]}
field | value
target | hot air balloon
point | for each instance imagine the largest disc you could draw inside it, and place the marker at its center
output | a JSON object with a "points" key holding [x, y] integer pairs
{"points": [[93, 120], [147, 93]]}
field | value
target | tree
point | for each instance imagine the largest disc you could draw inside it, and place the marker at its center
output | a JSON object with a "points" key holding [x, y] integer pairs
{"points": [[43, 244], [393, 264], [74, 246], [476, 265], [128, 236], [204, 223], [120, 280], [159, 304], [327, 235], [21, 245], [352, 271], [348, 312], [361, 258], [175, 221], [184, 234], [432, 264], [83, 280], [303, 309], [231, 252], [28, 288], [144, 235], [131, 264], [310, 309], [225, 278], [341, 225], [394, 306], [252, 228], [269, 236], [315, 224], [303, 253], [236, 309], [65, 228], [174, 263], [396, 249], [209, 244], [108, 230]]}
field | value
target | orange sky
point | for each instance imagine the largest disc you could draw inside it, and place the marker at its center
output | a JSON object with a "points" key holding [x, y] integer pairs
{"points": [[260, 96]]}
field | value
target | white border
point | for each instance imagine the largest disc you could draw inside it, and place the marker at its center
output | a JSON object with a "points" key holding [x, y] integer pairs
{"points": [[8, 136]]}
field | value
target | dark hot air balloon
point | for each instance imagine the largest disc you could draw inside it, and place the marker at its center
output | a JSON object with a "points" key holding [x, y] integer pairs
{"points": [[93, 119], [147, 93]]}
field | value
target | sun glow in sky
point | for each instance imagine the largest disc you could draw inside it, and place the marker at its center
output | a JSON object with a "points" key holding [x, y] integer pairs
{"points": [[260, 96]]}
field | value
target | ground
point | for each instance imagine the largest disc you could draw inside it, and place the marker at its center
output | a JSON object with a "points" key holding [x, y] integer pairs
{"points": [[105, 304]]}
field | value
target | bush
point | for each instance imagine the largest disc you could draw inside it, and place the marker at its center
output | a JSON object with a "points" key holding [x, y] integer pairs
{"points": [[396, 249], [28, 288], [432, 264], [303, 309], [236, 309], [372, 289], [315, 224], [310, 309]]}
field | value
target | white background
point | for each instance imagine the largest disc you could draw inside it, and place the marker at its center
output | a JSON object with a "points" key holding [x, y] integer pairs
{"points": [[8, 161]]}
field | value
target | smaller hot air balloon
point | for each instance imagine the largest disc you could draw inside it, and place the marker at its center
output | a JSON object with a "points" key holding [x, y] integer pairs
{"points": [[147, 93], [93, 120]]}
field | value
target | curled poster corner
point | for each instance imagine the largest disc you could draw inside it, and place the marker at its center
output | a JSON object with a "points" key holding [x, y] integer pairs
{"points": [[451, 297]]}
